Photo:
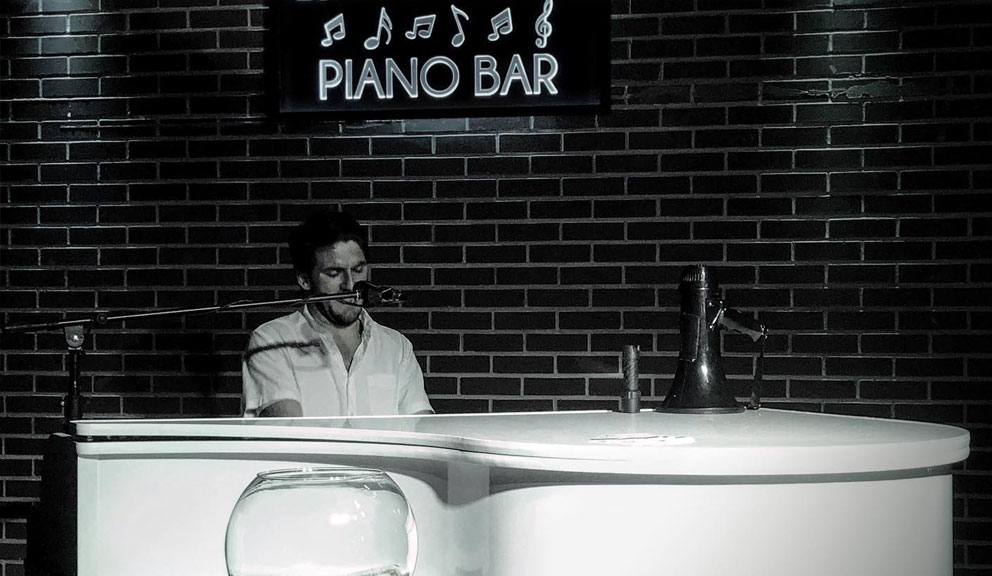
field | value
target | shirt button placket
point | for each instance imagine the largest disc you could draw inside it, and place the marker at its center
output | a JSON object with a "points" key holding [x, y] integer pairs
{"points": [[352, 394]]}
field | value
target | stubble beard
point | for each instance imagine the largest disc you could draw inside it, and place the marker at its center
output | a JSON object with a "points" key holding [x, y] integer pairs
{"points": [[333, 318]]}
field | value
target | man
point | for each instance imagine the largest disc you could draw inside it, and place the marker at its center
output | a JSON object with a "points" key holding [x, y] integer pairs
{"points": [[330, 358]]}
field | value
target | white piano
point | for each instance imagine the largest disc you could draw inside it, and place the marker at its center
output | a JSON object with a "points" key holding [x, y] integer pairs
{"points": [[766, 492]]}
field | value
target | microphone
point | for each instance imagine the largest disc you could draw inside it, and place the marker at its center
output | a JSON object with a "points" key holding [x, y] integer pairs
{"points": [[374, 295]]}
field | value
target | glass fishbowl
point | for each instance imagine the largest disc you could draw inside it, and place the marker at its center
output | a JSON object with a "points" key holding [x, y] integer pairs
{"points": [[322, 521]]}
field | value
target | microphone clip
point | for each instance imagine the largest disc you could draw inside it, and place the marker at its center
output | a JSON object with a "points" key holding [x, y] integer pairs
{"points": [[374, 295]]}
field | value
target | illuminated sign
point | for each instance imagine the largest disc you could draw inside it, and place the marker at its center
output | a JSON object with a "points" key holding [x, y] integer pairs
{"points": [[453, 58]]}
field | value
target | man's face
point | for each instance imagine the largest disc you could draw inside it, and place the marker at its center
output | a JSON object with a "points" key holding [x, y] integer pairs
{"points": [[336, 269]]}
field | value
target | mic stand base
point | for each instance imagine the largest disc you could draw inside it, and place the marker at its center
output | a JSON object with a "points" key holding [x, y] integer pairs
{"points": [[718, 410]]}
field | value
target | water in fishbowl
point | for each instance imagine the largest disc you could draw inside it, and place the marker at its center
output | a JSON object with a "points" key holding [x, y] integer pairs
{"points": [[322, 522]]}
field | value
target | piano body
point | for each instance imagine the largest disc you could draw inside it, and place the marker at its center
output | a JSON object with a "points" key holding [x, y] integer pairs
{"points": [[581, 493]]}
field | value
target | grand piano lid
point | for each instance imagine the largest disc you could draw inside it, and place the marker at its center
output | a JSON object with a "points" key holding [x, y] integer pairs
{"points": [[758, 440]]}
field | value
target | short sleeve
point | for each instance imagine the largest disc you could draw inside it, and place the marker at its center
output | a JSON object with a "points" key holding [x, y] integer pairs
{"points": [[412, 397], [266, 374]]}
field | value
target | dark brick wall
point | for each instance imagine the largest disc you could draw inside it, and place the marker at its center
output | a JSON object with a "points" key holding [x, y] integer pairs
{"points": [[832, 159]]}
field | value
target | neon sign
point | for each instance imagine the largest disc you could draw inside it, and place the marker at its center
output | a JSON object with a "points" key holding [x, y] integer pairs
{"points": [[432, 58]]}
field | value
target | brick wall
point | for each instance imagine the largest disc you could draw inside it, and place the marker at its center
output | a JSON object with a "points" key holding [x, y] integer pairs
{"points": [[831, 159]]}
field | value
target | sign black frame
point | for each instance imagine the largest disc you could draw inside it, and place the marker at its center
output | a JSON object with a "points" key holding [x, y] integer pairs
{"points": [[352, 40]]}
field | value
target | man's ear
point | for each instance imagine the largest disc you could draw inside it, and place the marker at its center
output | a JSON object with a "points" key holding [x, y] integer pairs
{"points": [[303, 281]]}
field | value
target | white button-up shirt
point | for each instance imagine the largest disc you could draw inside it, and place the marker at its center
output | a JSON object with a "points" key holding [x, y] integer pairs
{"points": [[289, 358]]}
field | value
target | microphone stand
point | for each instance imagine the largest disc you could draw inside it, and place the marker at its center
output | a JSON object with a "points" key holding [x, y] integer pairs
{"points": [[75, 335]]}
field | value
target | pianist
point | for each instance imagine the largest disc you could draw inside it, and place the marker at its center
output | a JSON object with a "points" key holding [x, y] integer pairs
{"points": [[330, 358]]}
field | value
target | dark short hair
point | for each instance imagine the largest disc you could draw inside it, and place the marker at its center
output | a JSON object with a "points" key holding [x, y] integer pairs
{"points": [[324, 228]]}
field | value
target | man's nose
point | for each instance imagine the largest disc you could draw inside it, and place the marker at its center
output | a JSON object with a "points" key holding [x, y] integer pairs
{"points": [[348, 282]]}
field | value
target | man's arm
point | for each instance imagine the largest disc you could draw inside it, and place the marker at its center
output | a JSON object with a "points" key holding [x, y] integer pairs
{"points": [[413, 398], [267, 377], [282, 409]]}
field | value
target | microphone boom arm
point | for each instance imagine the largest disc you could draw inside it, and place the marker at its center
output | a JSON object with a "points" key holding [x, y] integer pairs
{"points": [[75, 334], [102, 318]]}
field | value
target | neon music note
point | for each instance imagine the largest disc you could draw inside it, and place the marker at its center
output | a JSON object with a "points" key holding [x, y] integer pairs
{"points": [[502, 25], [542, 26], [384, 24], [422, 26], [334, 28], [458, 39]]}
